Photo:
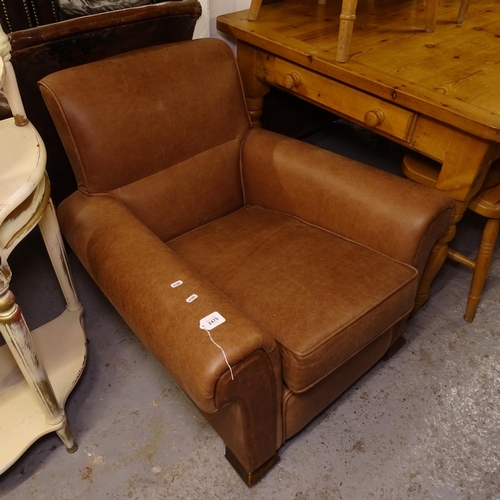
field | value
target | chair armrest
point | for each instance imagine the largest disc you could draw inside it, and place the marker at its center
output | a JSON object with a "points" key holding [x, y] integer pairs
{"points": [[135, 270], [384, 212]]}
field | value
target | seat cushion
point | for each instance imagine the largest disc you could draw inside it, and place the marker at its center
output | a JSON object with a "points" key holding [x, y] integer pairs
{"points": [[322, 297]]}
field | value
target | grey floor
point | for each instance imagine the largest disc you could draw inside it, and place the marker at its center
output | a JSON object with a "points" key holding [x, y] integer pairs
{"points": [[424, 425]]}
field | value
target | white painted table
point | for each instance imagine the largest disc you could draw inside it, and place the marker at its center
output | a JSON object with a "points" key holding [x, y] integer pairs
{"points": [[38, 369]]}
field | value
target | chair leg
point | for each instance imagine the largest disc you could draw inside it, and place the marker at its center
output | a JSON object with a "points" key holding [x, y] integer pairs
{"points": [[464, 7], [254, 10], [394, 348], [483, 261], [251, 478], [430, 15], [347, 18]]}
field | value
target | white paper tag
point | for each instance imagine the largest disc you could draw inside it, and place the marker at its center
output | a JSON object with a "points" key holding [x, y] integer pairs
{"points": [[191, 298], [212, 321], [177, 283]]}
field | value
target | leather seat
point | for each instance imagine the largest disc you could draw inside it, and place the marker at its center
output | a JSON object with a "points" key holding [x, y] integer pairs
{"points": [[306, 261]]}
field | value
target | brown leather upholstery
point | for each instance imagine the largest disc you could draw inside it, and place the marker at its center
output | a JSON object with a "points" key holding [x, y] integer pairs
{"points": [[311, 258]]}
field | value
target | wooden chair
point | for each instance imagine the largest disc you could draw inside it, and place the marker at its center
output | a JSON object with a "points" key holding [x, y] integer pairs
{"points": [[485, 203], [348, 16]]}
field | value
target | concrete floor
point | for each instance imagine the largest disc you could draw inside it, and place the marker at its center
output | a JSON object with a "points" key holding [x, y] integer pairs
{"points": [[424, 425]]}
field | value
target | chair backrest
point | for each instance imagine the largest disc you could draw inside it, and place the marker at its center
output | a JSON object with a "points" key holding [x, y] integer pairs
{"points": [[161, 128]]}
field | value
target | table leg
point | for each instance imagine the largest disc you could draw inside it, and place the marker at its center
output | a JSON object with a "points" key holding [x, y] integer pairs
{"points": [[18, 338], [462, 175], [255, 90], [437, 258], [52, 237]]}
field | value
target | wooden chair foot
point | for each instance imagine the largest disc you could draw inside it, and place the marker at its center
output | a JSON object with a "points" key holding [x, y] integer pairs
{"points": [[482, 266], [394, 348], [470, 311], [464, 7], [251, 478]]}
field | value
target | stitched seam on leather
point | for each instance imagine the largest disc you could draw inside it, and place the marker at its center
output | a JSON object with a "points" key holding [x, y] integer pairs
{"points": [[451, 213], [284, 411], [305, 389], [236, 139], [242, 145], [244, 207], [347, 325], [70, 132], [296, 217]]}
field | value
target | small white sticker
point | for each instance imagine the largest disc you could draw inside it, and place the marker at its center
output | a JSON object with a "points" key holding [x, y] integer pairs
{"points": [[212, 321], [177, 283], [191, 298]]}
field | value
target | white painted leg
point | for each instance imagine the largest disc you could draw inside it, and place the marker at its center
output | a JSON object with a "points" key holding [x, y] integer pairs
{"points": [[52, 237], [67, 438], [18, 338]]}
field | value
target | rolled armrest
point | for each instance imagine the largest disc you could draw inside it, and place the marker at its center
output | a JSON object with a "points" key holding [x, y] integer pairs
{"points": [[135, 270], [384, 212]]}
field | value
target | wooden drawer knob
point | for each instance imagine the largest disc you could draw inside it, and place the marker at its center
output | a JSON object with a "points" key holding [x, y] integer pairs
{"points": [[374, 117], [291, 80]]}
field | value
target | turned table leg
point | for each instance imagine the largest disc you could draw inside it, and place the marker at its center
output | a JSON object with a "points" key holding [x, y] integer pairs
{"points": [[52, 237], [462, 174], [18, 338], [255, 90], [437, 257]]}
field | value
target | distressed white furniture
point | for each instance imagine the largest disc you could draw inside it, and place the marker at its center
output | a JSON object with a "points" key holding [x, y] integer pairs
{"points": [[38, 369]]}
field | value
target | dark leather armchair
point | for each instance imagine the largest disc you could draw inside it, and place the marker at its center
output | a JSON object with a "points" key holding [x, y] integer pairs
{"points": [[265, 274]]}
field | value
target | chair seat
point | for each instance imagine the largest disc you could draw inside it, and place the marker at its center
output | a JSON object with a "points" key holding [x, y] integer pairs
{"points": [[322, 297]]}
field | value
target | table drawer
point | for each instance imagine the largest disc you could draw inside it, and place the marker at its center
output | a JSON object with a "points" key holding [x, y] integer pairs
{"points": [[339, 98]]}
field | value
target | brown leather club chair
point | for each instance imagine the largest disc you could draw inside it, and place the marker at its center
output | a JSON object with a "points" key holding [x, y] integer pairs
{"points": [[306, 262]]}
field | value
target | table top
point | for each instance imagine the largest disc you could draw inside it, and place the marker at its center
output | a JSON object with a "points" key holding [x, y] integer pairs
{"points": [[451, 75]]}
